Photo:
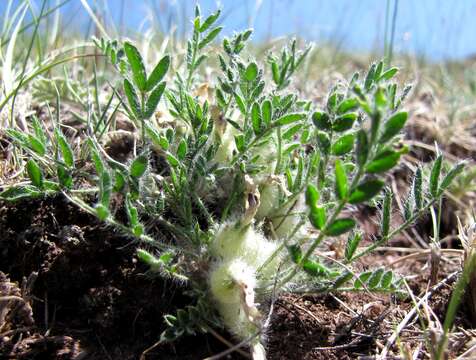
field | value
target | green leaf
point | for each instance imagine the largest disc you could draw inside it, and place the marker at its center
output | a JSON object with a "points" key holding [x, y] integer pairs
{"points": [[182, 149], [209, 21], [454, 172], [390, 73], [153, 100], [393, 126], [20, 192], [317, 217], [196, 21], [293, 130], [39, 130], [36, 145], [366, 191], [105, 188], [149, 259], [289, 149], [321, 120], [64, 177], [166, 257], [98, 163], [369, 79], [344, 122], [295, 252], [138, 230], [158, 73], [157, 139], [220, 98], [275, 72], [132, 98], [385, 161], [324, 142], [18, 136], [234, 124], [289, 119], [375, 119], [362, 149], [343, 145], [386, 214], [435, 176], [418, 189], [347, 105], [386, 280], [172, 160], [138, 166], [305, 136], [407, 209], [251, 72], [342, 279], [352, 243], [340, 226], [380, 98], [137, 66], [240, 142], [256, 118], [65, 149], [210, 37], [34, 173], [119, 181], [267, 112], [375, 278], [313, 268], [392, 91], [299, 173], [240, 103], [341, 180], [102, 212], [332, 101], [200, 60], [312, 195], [132, 213], [378, 70], [51, 186], [362, 279]]}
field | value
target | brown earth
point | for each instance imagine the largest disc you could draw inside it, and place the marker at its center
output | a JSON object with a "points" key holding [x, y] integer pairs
{"points": [[89, 297], [77, 292]]}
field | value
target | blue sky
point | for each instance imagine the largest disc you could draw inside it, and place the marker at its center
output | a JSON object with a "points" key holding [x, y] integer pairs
{"points": [[437, 29]]}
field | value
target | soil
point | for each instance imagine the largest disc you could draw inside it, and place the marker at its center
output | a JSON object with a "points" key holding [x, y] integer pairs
{"points": [[79, 293]]}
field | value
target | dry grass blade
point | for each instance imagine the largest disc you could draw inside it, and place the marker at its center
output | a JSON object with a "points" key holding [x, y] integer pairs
{"points": [[468, 239], [391, 340]]}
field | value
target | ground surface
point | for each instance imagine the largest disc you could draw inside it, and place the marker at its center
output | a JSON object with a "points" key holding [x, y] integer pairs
{"points": [[89, 298], [78, 293], [71, 288]]}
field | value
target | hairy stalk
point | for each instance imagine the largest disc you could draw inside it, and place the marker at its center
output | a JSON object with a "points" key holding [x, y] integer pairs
{"points": [[396, 231]]}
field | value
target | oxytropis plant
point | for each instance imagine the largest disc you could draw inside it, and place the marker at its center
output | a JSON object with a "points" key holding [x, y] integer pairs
{"points": [[232, 185]]}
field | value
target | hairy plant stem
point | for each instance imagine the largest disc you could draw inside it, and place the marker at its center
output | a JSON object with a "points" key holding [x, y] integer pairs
{"points": [[296, 228], [251, 144], [323, 232], [280, 141], [396, 231], [280, 247], [335, 214], [142, 120], [110, 221], [192, 62]]}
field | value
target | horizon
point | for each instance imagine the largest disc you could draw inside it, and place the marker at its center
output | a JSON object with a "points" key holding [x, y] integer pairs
{"points": [[434, 29]]}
